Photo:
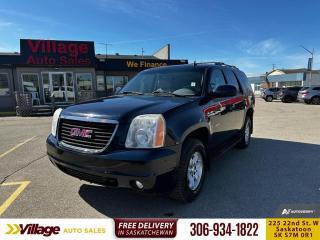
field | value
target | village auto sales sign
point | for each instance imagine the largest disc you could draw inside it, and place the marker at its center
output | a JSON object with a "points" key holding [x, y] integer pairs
{"points": [[57, 53]]}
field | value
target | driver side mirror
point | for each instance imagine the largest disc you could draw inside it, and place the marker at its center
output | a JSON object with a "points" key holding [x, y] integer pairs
{"points": [[224, 91]]}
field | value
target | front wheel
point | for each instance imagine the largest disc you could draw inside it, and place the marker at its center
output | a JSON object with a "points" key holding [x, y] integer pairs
{"points": [[315, 100], [191, 171], [245, 134], [269, 98]]}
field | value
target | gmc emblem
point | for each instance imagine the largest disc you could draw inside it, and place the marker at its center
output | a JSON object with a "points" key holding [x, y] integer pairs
{"points": [[84, 133]]}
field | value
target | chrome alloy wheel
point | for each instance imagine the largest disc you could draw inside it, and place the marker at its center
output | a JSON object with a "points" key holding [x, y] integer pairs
{"points": [[247, 132], [195, 170]]}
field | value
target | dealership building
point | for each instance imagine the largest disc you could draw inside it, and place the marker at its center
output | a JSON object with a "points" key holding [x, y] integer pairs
{"points": [[286, 78], [53, 71]]}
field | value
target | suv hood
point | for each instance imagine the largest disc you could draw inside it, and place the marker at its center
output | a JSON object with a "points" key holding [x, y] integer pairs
{"points": [[124, 108]]}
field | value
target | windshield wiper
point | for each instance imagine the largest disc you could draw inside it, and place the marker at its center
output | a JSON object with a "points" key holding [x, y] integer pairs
{"points": [[168, 93], [132, 92]]}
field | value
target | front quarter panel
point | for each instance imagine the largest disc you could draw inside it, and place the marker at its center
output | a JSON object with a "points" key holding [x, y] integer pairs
{"points": [[182, 121]]}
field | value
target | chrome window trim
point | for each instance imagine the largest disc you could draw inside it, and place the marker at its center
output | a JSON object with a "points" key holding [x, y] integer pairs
{"points": [[89, 119]]}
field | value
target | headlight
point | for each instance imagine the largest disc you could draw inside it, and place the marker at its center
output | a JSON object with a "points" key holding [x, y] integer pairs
{"points": [[55, 119], [146, 131]]}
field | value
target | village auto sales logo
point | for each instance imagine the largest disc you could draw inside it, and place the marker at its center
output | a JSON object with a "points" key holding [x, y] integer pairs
{"points": [[33, 229], [57, 53]]}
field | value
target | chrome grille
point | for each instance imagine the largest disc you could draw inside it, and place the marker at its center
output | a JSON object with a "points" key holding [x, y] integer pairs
{"points": [[100, 134]]}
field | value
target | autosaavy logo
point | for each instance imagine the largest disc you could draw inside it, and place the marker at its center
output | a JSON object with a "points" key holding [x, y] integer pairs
{"points": [[297, 211], [285, 212], [33, 229]]}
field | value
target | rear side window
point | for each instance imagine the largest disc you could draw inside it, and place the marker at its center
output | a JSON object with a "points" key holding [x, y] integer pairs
{"points": [[216, 79], [316, 88], [231, 78], [243, 81], [296, 88]]}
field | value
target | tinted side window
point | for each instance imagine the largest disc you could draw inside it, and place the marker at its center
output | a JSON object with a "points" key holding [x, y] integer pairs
{"points": [[216, 79], [244, 81], [231, 78], [316, 88], [296, 88]]}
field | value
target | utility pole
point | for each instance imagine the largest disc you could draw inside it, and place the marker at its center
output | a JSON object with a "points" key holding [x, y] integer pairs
{"points": [[106, 44], [310, 61], [273, 66], [142, 51]]}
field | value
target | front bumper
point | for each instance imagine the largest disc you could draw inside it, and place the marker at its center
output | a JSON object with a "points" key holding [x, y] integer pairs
{"points": [[154, 168]]}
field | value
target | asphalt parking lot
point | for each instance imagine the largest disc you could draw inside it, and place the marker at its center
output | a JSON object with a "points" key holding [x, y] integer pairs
{"points": [[281, 166]]}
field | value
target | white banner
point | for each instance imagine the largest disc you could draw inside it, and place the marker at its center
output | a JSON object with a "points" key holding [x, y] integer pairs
{"points": [[65, 229], [160, 228]]}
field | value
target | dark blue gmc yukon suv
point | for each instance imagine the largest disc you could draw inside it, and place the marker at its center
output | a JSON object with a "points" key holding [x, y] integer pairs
{"points": [[159, 132]]}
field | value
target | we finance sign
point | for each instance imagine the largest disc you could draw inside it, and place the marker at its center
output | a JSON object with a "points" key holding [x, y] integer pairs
{"points": [[57, 53]]}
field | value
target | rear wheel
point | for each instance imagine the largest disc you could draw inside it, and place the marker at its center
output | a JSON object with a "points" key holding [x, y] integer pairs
{"points": [[246, 134], [191, 171], [315, 100], [290, 99], [287, 99], [269, 98]]}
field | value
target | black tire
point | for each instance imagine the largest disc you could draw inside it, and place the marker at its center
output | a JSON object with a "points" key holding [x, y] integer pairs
{"points": [[289, 99], [269, 98], [315, 100], [245, 140], [182, 191]]}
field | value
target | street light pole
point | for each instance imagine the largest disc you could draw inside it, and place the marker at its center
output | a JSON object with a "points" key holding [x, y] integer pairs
{"points": [[106, 44], [311, 62]]}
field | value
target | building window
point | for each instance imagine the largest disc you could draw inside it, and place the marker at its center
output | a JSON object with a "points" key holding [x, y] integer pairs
{"points": [[4, 84], [100, 83], [290, 84], [115, 82], [69, 88], [46, 87], [30, 82], [84, 81]]}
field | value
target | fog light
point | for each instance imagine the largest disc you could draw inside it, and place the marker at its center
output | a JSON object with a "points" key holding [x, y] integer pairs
{"points": [[139, 184]]}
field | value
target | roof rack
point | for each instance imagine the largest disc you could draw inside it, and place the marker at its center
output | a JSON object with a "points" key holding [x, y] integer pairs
{"points": [[215, 63]]}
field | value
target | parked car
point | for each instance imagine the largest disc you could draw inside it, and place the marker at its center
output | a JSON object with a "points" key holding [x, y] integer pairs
{"points": [[159, 132], [270, 94], [310, 95], [289, 94]]}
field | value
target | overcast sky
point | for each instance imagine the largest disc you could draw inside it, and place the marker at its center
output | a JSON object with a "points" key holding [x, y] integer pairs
{"points": [[250, 34]]}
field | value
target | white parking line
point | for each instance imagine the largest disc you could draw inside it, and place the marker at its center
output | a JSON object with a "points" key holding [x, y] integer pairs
{"points": [[16, 146]]}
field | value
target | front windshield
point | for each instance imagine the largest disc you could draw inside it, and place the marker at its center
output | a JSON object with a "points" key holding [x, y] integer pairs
{"points": [[182, 82]]}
